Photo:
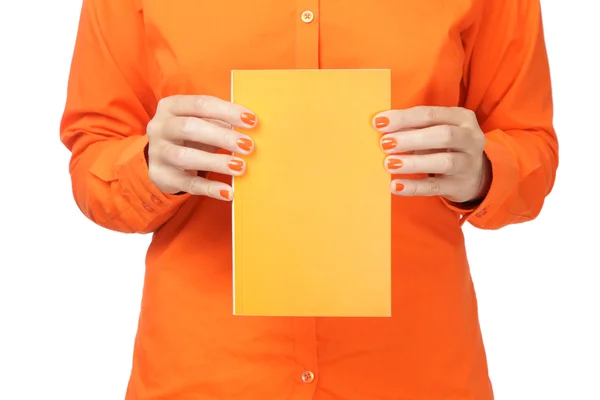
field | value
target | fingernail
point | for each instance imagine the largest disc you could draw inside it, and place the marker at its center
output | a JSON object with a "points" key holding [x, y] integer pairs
{"points": [[248, 118], [236, 165], [388, 143], [245, 144], [381, 122], [394, 163], [399, 187], [224, 194]]}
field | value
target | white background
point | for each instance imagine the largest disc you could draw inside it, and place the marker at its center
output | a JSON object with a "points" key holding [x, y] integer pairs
{"points": [[70, 291]]}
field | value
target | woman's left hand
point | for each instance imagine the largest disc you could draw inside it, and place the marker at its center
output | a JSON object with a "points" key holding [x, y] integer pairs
{"points": [[444, 142]]}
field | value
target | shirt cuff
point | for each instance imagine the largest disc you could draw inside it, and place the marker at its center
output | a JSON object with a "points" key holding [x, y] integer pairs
{"points": [[144, 198], [505, 174]]}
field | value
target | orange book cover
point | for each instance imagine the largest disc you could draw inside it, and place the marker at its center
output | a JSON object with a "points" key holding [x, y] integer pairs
{"points": [[312, 213]]}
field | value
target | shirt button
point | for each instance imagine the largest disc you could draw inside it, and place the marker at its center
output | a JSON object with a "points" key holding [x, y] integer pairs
{"points": [[155, 200], [307, 16], [481, 213], [148, 208], [308, 377]]}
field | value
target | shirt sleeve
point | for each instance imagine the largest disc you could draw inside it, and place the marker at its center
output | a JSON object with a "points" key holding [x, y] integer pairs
{"points": [[508, 86], [109, 104]]}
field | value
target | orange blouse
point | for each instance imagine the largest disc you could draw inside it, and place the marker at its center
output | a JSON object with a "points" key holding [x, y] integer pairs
{"points": [[486, 55]]}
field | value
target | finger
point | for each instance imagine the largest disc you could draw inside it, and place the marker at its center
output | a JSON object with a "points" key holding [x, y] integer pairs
{"points": [[432, 138], [199, 130], [187, 158], [445, 163], [423, 117], [420, 187], [181, 181], [209, 107], [199, 186]]}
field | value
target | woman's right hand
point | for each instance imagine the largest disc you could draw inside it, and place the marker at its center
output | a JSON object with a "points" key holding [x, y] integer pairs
{"points": [[184, 137]]}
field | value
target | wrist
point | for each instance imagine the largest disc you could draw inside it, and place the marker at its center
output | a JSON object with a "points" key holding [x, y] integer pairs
{"points": [[484, 187]]}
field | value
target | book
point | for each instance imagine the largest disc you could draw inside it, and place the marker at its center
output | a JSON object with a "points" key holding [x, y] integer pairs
{"points": [[312, 213]]}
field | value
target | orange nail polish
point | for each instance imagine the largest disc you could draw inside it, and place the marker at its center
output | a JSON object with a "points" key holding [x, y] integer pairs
{"points": [[236, 165], [388, 143], [394, 163], [381, 122], [248, 118], [399, 187], [244, 144], [224, 194]]}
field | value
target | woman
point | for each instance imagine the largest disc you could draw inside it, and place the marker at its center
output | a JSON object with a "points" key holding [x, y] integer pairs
{"points": [[472, 108]]}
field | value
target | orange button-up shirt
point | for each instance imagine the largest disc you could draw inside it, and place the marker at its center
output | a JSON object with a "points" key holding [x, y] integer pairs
{"points": [[485, 55]]}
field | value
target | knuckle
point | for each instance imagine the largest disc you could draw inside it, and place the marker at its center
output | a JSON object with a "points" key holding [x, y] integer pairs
{"points": [[447, 135], [398, 117], [165, 103], [202, 103], [410, 163], [192, 186], [399, 142], [187, 127], [230, 108], [180, 155], [469, 114], [449, 163], [434, 186], [175, 155], [209, 189], [177, 100], [154, 127], [412, 190], [429, 114]]}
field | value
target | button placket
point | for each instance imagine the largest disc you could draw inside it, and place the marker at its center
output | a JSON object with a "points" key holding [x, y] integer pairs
{"points": [[307, 34], [305, 353]]}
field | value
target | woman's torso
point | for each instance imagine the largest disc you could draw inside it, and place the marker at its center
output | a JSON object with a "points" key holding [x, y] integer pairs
{"points": [[189, 345]]}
